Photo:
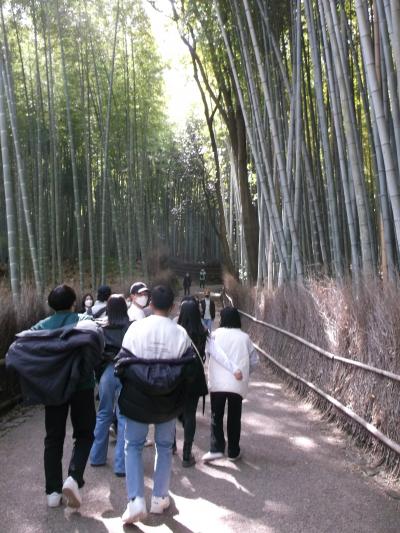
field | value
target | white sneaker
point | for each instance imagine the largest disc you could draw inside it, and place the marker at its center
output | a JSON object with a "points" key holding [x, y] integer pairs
{"points": [[212, 456], [135, 511], [159, 504], [71, 492], [239, 455], [54, 499]]}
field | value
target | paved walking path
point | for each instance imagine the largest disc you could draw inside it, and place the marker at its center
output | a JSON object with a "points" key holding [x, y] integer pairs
{"points": [[298, 474]]}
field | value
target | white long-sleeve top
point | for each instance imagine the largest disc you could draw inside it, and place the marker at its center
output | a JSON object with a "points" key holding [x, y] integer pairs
{"points": [[239, 349], [213, 350], [135, 312], [156, 337]]}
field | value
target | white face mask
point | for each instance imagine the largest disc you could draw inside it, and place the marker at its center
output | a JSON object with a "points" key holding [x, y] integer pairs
{"points": [[141, 300], [89, 302]]}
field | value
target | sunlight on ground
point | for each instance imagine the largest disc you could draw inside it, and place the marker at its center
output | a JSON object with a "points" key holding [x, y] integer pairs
{"points": [[217, 474], [102, 492], [264, 425], [274, 386], [304, 442], [187, 484], [287, 408], [208, 515], [276, 507]]}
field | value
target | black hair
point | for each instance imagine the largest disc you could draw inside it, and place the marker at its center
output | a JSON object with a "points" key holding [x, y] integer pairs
{"points": [[230, 318], [189, 299], [87, 295], [61, 298], [117, 311], [190, 319], [103, 293], [162, 297]]}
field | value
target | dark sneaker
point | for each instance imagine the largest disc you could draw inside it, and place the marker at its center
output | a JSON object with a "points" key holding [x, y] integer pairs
{"points": [[239, 455]]}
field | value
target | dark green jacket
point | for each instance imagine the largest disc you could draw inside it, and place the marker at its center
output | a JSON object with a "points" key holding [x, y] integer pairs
{"points": [[59, 320]]}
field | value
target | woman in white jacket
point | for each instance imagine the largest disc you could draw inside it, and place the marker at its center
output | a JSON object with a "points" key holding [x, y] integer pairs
{"points": [[226, 387]]}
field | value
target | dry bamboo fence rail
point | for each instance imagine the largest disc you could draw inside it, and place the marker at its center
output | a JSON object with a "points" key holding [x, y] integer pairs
{"points": [[347, 411]]}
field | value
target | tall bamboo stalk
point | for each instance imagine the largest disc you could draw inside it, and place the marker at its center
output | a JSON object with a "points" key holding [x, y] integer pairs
{"points": [[12, 237], [75, 181]]}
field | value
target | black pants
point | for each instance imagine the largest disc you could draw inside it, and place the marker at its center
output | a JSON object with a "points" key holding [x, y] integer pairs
{"points": [[218, 400], [189, 418], [83, 418], [186, 290], [202, 283]]}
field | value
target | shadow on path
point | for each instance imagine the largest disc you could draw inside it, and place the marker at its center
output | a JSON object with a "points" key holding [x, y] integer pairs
{"points": [[295, 476]]}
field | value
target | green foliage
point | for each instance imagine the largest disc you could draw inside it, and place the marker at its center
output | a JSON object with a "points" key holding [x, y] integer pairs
{"points": [[151, 170]]}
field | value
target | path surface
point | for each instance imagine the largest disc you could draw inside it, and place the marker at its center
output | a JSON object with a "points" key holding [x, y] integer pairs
{"points": [[298, 474]]}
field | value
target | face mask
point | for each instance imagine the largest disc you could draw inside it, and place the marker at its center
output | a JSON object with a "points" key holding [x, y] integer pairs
{"points": [[88, 303], [141, 300]]}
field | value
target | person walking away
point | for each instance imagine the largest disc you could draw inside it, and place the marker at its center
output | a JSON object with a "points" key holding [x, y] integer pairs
{"points": [[140, 298], [87, 304], [110, 386], [99, 307], [82, 411], [202, 278], [224, 388], [190, 319], [187, 283], [152, 365], [207, 310]]}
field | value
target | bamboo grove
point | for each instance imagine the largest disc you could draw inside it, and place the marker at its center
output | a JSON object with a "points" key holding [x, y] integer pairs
{"points": [[316, 87], [293, 173], [94, 178]]}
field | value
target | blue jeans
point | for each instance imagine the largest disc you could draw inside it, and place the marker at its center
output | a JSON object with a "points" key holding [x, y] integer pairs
{"points": [[109, 389], [207, 322], [135, 436]]}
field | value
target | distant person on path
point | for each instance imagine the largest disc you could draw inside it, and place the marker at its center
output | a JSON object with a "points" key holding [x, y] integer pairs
{"points": [[202, 278], [152, 364], [87, 304], [225, 388], [140, 295], [99, 307], [109, 387], [81, 406], [207, 310], [187, 283], [189, 318]]}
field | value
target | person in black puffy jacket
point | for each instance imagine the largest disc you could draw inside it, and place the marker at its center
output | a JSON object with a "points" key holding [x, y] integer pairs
{"points": [[114, 329], [152, 367]]}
